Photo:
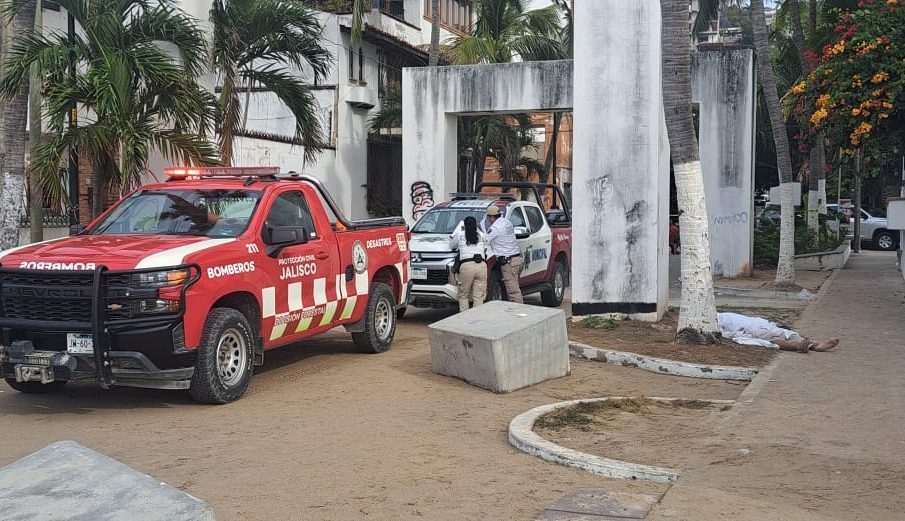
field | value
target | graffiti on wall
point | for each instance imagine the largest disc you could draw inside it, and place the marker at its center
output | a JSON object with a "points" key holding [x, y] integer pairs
{"points": [[422, 198]]}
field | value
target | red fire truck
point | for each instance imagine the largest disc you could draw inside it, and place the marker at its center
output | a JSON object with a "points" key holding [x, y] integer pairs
{"points": [[185, 285]]}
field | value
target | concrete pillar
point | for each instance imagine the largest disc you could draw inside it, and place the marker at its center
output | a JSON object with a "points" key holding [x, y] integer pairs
{"points": [[621, 163], [724, 86]]}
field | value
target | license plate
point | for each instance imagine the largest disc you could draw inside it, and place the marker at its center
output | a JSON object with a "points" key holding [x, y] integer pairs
{"points": [[79, 344], [419, 273]]}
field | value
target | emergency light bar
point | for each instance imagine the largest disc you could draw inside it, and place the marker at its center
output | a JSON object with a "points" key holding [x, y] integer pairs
{"points": [[182, 172]]}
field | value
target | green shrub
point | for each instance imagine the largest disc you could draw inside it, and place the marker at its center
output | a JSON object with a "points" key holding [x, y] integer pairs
{"points": [[766, 241]]}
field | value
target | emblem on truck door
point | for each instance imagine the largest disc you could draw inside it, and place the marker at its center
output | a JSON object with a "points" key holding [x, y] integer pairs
{"points": [[359, 257]]}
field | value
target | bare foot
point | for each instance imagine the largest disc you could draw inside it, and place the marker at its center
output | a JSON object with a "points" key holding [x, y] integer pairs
{"points": [[826, 345], [805, 344]]}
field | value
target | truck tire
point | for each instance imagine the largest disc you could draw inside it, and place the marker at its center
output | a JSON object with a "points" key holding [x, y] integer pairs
{"points": [[35, 387], [553, 297], [224, 365], [885, 240], [379, 320]]}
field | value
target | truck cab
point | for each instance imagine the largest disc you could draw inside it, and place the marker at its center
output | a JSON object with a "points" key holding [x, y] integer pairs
{"points": [[186, 284]]}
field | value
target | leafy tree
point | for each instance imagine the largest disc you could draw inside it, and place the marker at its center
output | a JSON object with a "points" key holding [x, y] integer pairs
{"points": [[256, 44], [851, 95], [139, 96]]}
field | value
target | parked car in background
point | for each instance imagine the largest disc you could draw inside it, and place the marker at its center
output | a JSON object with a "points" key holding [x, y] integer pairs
{"points": [[544, 238], [873, 228]]}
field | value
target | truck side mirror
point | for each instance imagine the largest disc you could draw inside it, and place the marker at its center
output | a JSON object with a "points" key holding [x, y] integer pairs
{"points": [[278, 237]]}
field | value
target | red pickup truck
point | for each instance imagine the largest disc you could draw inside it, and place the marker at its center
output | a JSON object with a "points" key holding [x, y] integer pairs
{"points": [[185, 285]]}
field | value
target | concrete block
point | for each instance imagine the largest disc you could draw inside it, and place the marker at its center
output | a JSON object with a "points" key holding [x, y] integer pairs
{"points": [[501, 346], [66, 481]]}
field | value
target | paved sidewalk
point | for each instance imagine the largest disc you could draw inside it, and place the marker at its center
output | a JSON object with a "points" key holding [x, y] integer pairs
{"points": [[824, 437]]}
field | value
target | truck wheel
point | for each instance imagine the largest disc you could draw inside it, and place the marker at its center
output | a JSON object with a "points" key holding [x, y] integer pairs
{"points": [[35, 387], [885, 240], [553, 297], [379, 320], [224, 365], [495, 288]]}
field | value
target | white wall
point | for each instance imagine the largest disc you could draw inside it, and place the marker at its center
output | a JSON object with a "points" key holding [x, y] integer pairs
{"points": [[724, 86], [434, 97]]}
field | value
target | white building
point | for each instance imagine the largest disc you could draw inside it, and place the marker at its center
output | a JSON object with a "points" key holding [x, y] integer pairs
{"points": [[397, 34]]}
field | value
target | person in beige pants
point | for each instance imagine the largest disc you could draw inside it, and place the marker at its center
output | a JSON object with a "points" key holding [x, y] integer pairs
{"points": [[469, 241], [501, 237]]}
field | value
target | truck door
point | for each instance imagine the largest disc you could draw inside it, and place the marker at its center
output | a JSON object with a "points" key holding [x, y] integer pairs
{"points": [[303, 292], [539, 246]]}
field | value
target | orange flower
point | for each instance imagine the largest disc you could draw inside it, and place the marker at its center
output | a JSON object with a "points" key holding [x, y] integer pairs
{"points": [[819, 115], [822, 100], [880, 77], [799, 88], [855, 112]]}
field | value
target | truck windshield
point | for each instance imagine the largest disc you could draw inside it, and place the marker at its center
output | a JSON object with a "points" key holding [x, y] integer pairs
{"points": [[444, 220], [210, 213]]}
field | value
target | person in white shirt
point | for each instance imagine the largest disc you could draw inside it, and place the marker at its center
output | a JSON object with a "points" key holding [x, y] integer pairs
{"points": [[472, 270], [501, 236]]}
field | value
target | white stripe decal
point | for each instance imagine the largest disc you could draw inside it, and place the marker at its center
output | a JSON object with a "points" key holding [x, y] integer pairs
{"points": [[176, 256], [328, 314], [341, 280], [349, 307], [320, 291], [361, 283], [269, 301], [4, 253], [295, 296], [402, 277], [340, 289]]}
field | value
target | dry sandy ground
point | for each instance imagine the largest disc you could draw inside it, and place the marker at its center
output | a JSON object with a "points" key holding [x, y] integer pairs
{"points": [[326, 433]]}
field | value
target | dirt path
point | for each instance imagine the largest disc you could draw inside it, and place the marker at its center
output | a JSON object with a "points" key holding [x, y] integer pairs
{"points": [[326, 433]]}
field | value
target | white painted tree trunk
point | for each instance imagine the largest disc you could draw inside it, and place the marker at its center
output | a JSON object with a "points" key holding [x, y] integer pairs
{"points": [[698, 309], [821, 196], [812, 211], [785, 271], [11, 209]]}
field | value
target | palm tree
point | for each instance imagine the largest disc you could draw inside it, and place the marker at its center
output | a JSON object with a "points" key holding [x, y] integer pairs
{"points": [[139, 97], [35, 199], [255, 45], [785, 272], [697, 315], [434, 52], [504, 30], [12, 145]]}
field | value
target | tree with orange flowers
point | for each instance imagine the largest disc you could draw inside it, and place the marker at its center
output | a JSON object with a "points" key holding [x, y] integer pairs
{"points": [[855, 94]]}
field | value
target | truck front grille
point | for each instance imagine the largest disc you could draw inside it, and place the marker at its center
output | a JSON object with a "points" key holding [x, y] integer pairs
{"points": [[64, 297], [437, 278]]}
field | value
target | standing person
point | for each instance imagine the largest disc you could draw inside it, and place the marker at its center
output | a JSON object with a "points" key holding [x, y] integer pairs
{"points": [[501, 236], [472, 270]]}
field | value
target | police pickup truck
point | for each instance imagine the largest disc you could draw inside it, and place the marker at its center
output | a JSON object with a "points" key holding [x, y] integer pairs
{"points": [[544, 238], [186, 284]]}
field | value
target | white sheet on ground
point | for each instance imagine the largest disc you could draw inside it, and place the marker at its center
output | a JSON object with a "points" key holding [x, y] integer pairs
{"points": [[752, 331]]}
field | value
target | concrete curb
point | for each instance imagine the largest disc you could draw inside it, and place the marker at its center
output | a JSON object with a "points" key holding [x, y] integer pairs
{"points": [[759, 293], [523, 437], [661, 365]]}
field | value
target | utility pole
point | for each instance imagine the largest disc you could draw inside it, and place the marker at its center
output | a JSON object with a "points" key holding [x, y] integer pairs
{"points": [[856, 219], [73, 151]]}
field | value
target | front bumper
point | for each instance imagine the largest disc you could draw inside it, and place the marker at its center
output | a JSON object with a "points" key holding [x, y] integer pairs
{"points": [[440, 287], [124, 349]]}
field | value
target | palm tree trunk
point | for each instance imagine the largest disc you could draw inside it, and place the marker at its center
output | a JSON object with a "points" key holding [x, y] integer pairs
{"points": [[785, 272], [36, 201], [433, 57], [14, 145], [550, 162], [697, 315], [816, 153]]}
